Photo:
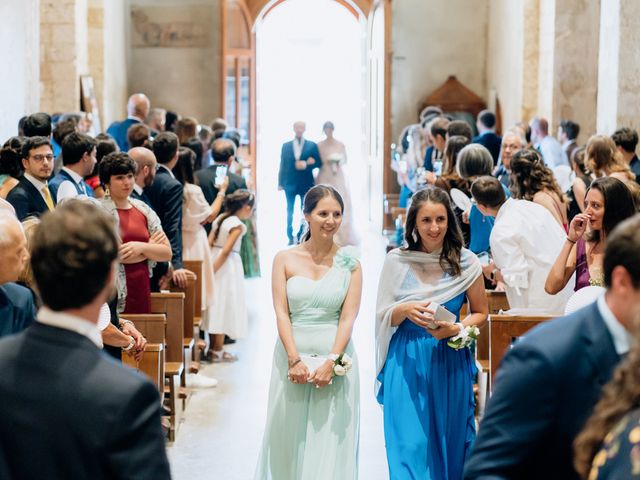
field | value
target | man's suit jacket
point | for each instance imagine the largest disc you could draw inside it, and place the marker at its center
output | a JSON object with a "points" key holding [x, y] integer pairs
{"points": [[27, 200], [165, 195], [17, 308], [291, 179], [206, 179], [74, 412], [118, 130], [545, 390], [142, 198], [491, 142]]}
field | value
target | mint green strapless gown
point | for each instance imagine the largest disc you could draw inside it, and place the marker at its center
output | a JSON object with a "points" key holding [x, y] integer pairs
{"points": [[312, 433]]}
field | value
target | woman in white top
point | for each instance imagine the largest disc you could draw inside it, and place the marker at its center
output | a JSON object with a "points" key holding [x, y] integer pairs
{"points": [[196, 212], [334, 155], [229, 313]]}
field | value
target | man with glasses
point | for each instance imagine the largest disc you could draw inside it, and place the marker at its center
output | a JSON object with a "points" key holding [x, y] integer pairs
{"points": [[31, 197]]}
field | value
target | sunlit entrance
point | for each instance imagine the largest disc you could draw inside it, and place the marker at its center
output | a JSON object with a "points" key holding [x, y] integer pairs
{"points": [[310, 67]]}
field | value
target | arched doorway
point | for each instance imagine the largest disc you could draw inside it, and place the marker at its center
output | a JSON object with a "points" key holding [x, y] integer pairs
{"points": [[243, 102]]}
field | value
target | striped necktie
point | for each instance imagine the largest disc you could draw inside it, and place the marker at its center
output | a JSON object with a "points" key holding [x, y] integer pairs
{"points": [[47, 198]]}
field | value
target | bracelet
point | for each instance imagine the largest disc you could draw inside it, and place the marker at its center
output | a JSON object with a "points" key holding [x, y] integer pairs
{"points": [[221, 194], [571, 241], [124, 322], [132, 343], [333, 357], [294, 363]]}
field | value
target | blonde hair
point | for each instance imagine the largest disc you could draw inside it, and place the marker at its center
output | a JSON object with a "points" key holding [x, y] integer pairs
{"points": [[603, 157], [29, 225]]}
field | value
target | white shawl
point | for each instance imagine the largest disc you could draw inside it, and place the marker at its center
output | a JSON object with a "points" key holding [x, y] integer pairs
{"points": [[410, 276]]}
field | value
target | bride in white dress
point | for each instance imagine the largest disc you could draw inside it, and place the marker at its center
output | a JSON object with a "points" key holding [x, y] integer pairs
{"points": [[334, 154]]}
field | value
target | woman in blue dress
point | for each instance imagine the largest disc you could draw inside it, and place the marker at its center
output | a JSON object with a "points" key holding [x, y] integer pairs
{"points": [[426, 386]]}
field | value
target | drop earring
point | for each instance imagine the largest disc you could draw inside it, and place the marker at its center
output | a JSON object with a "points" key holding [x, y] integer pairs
{"points": [[415, 236]]}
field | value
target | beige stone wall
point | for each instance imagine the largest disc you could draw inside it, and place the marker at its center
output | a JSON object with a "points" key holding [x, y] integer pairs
{"points": [[432, 40], [63, 54], [629, 65], [19, 50], [505, 59], [185, 80]]}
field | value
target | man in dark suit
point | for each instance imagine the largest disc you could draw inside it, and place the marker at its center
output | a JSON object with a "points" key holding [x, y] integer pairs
{"points": [[297, 160], [548, 384], [223, 152], [146, 173], [31, 196], [137, 110], [17, 308], [487, 137], [75, 413], [165, 195]]}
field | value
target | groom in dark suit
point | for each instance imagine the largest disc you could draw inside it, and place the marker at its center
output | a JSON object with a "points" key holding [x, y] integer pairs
{"points": [[69, 410], [548, 384], [297, 160]]}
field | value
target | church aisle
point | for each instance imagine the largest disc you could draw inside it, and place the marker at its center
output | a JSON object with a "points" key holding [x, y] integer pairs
{"points": [[220, 435]]}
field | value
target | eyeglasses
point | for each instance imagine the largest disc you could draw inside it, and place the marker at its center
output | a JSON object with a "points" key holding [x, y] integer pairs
{"points": [[40, 158]]}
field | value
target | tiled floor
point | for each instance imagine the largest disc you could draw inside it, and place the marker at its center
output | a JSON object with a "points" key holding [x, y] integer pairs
{"points": [[221, 432]]}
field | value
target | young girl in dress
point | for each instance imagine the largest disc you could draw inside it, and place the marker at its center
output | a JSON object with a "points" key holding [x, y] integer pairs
{"points": [[229, 316]]}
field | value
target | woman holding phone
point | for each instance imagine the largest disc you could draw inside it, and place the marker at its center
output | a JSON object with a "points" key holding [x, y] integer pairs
{"points": [[426, 383], [608, 202]]}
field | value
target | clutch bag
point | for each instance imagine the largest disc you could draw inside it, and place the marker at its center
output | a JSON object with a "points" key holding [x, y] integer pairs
{"points": [[312, 361]]}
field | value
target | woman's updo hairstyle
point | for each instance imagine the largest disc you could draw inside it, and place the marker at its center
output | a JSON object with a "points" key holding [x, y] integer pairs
{"points": [[11, 157], [529, 175], [313, 197], [232, 205]]}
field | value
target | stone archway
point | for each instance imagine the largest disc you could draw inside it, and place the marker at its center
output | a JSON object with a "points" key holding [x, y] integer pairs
{"points": [[257, 8]]}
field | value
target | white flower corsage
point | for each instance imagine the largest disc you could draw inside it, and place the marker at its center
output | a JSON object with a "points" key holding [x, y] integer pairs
{"points": [[465, 338], [341, 364]]}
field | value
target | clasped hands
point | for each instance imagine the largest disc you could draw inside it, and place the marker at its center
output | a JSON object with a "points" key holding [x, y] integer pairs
{"points": [[321, 377], [302, 164], [418, 313], [140, 342]]}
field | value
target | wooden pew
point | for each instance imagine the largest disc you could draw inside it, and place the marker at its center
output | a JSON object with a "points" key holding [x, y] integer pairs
{"points": [[196, 267], [172, 305], [152, 326], [504, 329], [497, 302]]}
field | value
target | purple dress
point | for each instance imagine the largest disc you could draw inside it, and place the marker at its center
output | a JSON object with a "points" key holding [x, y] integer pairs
{"points": [[582, 268]]}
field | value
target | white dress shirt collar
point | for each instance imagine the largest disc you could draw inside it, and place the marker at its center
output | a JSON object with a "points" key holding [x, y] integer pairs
{"points": [[63, 320], [137, 188], [76, 178], [621, 338], [36, 183]]}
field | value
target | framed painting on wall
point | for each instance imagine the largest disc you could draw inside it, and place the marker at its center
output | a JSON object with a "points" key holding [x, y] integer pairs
{"points": [[88, 101]]}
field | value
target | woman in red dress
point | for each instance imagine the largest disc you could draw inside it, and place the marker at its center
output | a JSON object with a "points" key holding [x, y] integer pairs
{"points": [[143, 241]]}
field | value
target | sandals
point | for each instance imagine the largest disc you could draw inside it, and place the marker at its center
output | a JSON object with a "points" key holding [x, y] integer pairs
{"points": [[222, 356]]}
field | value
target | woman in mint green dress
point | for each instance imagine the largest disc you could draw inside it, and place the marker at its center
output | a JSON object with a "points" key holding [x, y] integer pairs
{"points": [[313, 416]]}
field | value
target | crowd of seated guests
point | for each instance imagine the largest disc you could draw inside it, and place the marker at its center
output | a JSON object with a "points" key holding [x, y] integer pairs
{"points": [[147, 172], [559, 174]]}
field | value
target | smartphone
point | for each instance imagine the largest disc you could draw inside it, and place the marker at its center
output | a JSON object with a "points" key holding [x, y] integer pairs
{"points": [[221, 173], [440, 314]]}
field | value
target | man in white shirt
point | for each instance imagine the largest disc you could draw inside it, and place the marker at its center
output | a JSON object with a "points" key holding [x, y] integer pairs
{"points": [[525, 242], [75, 413], [552, 152], [79, 159]]}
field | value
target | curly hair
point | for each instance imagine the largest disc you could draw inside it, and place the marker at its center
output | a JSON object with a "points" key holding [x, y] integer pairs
{"points": [[453, 239], [11, 157], [603, 157], [232, 205], [529, 175]]}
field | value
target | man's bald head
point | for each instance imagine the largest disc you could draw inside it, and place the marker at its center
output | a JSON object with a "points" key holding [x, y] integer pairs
{"points": [[138, 106], [147, 164], [13, 248]]}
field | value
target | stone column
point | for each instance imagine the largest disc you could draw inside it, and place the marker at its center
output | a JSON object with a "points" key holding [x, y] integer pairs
{"points": [[619, 66], [575, 66], [63, 53]]}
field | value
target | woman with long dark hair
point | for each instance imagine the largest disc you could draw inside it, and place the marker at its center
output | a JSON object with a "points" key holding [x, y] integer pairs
{"points": [[229, 312], [532, 180], [607, 203], [425, 371], [313, 417]]}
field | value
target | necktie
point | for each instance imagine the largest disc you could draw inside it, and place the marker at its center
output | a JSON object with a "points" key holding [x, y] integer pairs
{"points": [[47, 198]]}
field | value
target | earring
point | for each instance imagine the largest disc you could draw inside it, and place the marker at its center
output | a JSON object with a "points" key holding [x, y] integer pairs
{"points": [[414, 235]]}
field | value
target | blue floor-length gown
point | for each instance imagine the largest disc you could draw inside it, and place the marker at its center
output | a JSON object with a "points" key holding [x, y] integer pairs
{"points": [[427, 393]]}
